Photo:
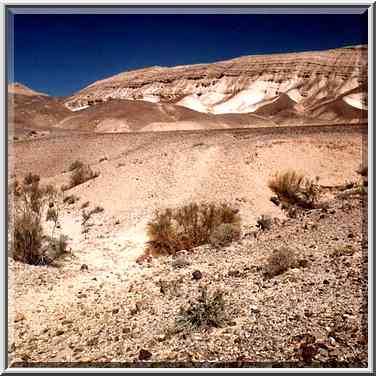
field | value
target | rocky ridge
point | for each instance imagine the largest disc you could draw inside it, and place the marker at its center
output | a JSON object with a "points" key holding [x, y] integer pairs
{"points": [[321, 85]]}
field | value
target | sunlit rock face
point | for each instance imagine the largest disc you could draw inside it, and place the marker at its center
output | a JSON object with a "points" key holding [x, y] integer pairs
{"points": [[320, 85]]}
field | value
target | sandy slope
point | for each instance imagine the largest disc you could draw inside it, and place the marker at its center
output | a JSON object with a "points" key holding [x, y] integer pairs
{"points": [[144, 172], [156, 170]]}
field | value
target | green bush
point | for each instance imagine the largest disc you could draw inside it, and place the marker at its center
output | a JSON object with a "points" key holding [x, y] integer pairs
{"points": [[207, 311]]}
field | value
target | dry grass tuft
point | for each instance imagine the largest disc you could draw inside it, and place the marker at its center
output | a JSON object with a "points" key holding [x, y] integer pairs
{"points": [[31, 202], [224, 234], [75, 165], [295, 189], [81, 175], [189, 226], [280, 261]]}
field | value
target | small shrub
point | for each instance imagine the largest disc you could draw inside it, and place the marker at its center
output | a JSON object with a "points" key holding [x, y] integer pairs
{"points": [[207, 311], [97, 209], [363, 170], [358, 189], [81, 175], [343, 250], [28, 236], [31, 178], [224, 234], [280, 261], [85, 204], [75, 165], [347, 185], [187, 227], [86, 215], [70, 200], [294, 188], [52, 214], [30, 244], [264, 222]]}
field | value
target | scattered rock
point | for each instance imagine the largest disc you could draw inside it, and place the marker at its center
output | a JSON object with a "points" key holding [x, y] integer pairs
{"points": [[84, 267], [59, 332], [196, 275], [144, 355], [275, 200]]}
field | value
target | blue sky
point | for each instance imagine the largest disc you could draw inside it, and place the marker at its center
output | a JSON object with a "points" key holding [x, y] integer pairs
{"points": [[60, 54]]}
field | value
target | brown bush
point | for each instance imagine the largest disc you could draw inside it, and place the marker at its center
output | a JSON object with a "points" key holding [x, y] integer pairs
{"points": [[280, 261], [30, 244], [224, 234], [187, 227], [295, 189], [81, 175], [363, 170], [76, 164], [31, 178]]}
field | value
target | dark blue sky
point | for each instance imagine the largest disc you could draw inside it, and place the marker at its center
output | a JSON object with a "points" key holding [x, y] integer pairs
{"points": [[60, 54]]}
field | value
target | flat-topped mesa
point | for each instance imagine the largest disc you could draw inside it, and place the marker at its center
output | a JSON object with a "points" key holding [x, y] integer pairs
{"points": [[243, 84]]}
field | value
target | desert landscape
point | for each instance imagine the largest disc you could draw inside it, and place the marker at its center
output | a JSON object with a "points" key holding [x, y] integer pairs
{"points": [[207, 215]]}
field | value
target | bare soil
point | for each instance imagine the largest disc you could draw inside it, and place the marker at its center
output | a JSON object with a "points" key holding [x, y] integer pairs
{"points": [[118, 311]]}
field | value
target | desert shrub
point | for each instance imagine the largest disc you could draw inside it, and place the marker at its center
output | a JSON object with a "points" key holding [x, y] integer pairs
{"points": [[188, 227], [97, 209], [31, 178], [207, 311], [280, 261], [347, 185], [294, 188], [224, 234], [343, 250], [52, 214], [76, 164], [86, 215], [363, 170], [81, 175], [70, 200], [85, 204], [30, 244], [358, 189], [264, 222]]}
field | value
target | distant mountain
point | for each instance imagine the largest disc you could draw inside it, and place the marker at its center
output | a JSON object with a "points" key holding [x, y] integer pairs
{"points": [[17, 88], [278, 86], [264, 90]]}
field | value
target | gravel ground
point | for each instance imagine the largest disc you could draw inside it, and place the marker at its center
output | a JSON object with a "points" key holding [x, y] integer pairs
{"points": [[124, 313]]}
